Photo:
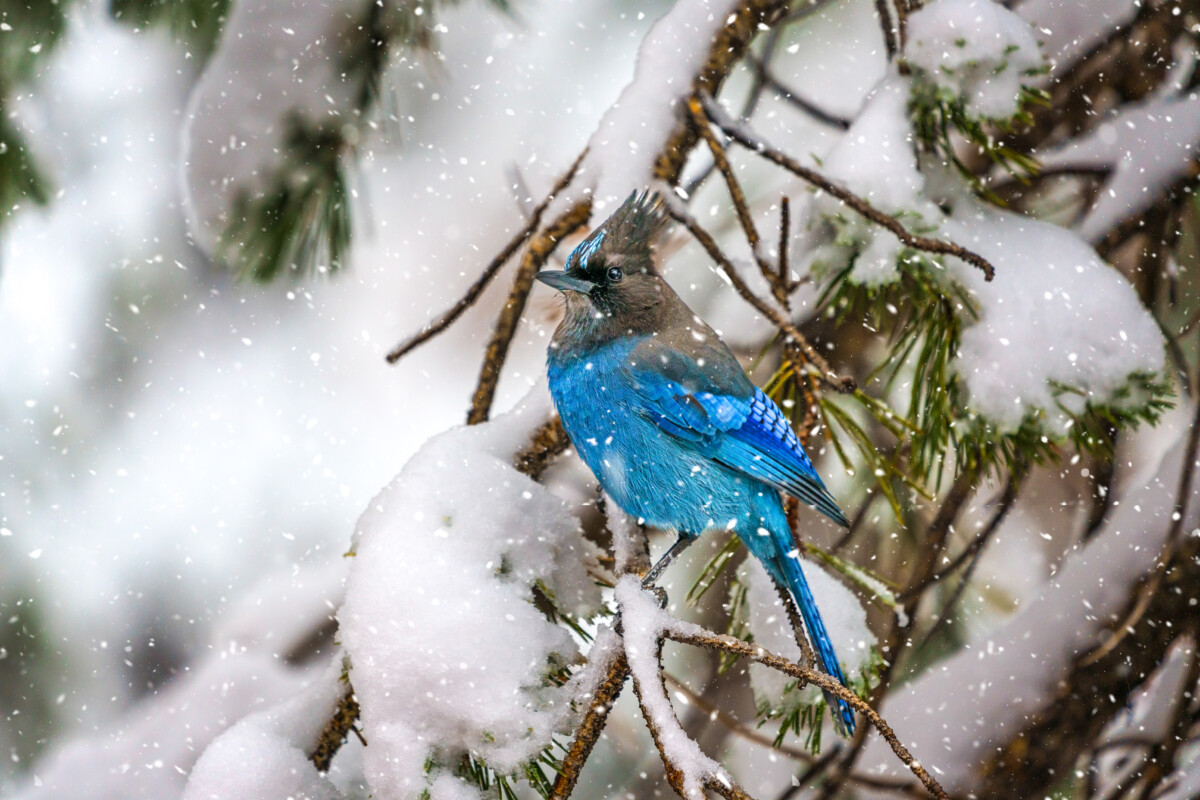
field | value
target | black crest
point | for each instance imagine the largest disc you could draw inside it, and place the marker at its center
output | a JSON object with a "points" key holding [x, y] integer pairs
{"points": [[626, 237]]}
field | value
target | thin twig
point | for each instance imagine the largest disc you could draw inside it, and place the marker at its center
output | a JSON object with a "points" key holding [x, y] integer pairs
{"points": [[743, 136], [744, 731], [680, 214], [972, 552], [782, 285], [540, 248], [1007, 498], [728, 644], [790, 96], [489, 272], [740, 205], [814, 769]]}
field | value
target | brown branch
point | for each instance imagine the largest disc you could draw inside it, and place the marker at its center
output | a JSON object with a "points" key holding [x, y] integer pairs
{"points": [[539, 250], [743, 731], [926, 244], [549, 442], [588, 732], [789, 330], [636, 561], [891, 29], [783, 284], [728, 47], [675, 776], [738, 196], [728, 644], [334, 734], [489, 272]]}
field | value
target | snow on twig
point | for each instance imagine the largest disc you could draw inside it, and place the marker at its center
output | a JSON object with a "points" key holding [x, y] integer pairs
{"points": [[741, 134], [646, 626]]}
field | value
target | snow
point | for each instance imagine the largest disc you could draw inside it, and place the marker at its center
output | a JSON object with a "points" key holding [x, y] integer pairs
{"points": [[845, 620], [1184, 783], [959, 710], [148, 754], [1046, 321], [875, 160], [1051, 296], [976, 50], [1066, 34], [1148, 148], [628, 543], [1149, 717], [643, 623], [448, 653], [265, 755], [274, 60], [622, 151]]}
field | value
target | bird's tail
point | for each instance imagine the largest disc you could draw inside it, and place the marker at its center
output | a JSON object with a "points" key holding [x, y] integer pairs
{"points": [[787, 562]]}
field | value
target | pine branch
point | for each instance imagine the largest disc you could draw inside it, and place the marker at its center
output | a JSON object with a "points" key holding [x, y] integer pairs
{"points": [[744, 137]]}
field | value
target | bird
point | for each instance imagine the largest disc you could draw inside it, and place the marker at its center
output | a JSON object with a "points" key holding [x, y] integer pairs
{"points": [[660, 410]]}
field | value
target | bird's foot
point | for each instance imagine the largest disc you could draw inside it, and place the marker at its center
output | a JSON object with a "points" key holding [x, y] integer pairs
{"points": [[659, 593]]}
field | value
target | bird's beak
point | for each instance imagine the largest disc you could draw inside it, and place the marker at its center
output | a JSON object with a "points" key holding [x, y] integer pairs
{"points": [[559, 279]]}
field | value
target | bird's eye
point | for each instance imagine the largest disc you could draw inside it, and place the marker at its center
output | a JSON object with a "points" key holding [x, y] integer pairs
{"points": [[615, 274]]}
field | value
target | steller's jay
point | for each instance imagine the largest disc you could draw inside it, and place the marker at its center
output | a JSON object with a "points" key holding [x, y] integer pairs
{"points": [[661, 411]]}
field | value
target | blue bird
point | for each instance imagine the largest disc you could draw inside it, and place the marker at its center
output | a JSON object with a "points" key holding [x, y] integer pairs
{"points": [[661, 411]]}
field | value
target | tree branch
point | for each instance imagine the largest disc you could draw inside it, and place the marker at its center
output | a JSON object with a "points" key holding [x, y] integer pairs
{"points": [[489, 272], [743, 136], [728, 644], [679, 213], [540, 249]]}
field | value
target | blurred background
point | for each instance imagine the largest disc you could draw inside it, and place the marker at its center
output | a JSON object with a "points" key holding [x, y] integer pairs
{"points": [[184, 449]]}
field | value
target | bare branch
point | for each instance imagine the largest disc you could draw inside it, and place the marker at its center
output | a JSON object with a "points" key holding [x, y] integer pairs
{"points": [[783, 284], [891, 28], [539, 250], [744, 137], [588, 732], [489, 272], [811, 356], [728, 644], [735, 188]]}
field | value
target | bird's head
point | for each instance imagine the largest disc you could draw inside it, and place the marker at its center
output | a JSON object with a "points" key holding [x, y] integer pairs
{"points": [[610, 279]]}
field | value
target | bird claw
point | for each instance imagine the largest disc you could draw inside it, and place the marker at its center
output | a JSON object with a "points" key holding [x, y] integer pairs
{"points": [[659, 593]]}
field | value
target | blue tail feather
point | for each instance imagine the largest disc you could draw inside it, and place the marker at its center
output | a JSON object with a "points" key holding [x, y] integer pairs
{"points": [[772, 551], [843, 715]]}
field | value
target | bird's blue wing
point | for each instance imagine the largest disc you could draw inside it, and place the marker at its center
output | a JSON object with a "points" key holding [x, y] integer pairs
{"points": [[750, 435]]}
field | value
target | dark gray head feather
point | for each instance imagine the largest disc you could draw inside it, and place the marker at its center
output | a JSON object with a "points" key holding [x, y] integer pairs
{"points": [[625, 240]]}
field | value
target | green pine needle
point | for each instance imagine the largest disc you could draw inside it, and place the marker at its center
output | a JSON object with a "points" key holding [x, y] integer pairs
{"points": [[302, 222]]}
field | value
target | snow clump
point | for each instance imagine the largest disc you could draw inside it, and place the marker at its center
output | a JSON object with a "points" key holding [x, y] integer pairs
{"points": [[449, 656], [975, 51]]}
